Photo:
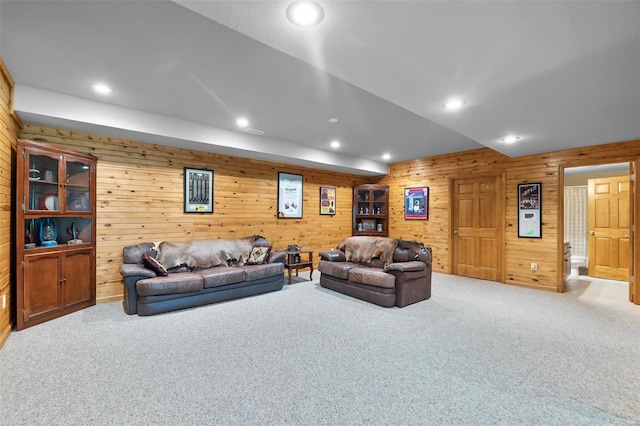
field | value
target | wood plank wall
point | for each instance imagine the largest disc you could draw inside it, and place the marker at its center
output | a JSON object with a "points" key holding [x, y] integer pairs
{"points": [[9, 127], [140, 199], [438, 172], [140, 192]]}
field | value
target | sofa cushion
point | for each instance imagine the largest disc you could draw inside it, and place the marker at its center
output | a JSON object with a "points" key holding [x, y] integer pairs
{"points": [[256, 272], [174, 283], [414, 265], [372, 276], [133, 254], [154, 265], [336, 269], [221, 275]]}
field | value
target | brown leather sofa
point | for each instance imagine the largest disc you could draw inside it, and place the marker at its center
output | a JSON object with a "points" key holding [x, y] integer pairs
{"points": [[406, 280], [148, 292]]}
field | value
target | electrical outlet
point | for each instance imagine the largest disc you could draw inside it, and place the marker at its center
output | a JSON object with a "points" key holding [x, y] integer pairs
{"points": [[534, 267], [4, 301]]}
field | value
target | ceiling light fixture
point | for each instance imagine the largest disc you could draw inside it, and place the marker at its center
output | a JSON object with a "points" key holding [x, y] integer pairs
{"points": [[386, 156], [510, 139], [242, 122], [333, 120], [101, 88], [335, 144], [454, 104], [305, 13]]}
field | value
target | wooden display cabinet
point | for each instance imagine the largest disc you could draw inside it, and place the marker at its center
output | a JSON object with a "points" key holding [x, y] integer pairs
{"points": [[371, 210], [55, 232]]}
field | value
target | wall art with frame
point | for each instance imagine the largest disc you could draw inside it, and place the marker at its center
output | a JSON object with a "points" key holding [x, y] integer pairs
{"points": [[327, 200], [198, 190], [416, 203], [289, 196], [530, 210]]}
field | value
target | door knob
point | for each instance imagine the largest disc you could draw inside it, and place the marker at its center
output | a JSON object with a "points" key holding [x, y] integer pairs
{"points": [[593, 232], [455, 231]]}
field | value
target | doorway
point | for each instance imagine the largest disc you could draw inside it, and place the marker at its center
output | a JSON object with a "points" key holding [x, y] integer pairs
{"points": [[596, 225]]}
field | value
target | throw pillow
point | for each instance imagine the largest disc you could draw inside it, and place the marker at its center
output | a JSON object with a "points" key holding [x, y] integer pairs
{"points": [[258, 255], [154, 265]]}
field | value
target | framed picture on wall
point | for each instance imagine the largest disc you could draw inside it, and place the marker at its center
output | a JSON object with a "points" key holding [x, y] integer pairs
{"points": [[327, 200], [198, 190], [530, 210], [289, 196], [416, 203]]}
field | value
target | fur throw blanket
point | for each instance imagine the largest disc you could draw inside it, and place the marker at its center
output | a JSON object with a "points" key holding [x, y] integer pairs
{"points": [[205, 253], [365, 249]]}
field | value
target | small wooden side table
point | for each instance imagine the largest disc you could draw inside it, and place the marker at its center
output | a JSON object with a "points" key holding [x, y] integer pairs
{"points": [[299, 260]]}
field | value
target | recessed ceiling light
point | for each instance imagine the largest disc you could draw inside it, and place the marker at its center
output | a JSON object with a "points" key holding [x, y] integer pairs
{"points": [[101, 88], [510, 139], [386, 156], [454, 104], [242, 122], [335, 144], [333, 120], [305, 13]]}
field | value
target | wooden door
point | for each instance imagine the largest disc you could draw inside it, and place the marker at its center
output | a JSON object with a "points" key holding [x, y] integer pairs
{"points": [[609, 248], [77, 285], [477, 234], [41, 296]]}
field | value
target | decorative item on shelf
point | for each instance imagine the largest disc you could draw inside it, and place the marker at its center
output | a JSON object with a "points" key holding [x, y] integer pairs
{"points": [[366, 210], [48, 175], [378, 210], [379, 227], [29, 229], [361, 210], [34, 174], [73, 231], [48, 232], [366, 196], [360, 226]]}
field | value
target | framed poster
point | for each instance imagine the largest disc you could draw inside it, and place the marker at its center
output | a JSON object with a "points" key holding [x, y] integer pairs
{"points": [[289, 196], [198, 190], [529, 210], [416, 203], [327, 200]]}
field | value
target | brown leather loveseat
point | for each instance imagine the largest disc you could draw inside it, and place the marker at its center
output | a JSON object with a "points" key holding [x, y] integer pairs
{"points": [[385, 271]]}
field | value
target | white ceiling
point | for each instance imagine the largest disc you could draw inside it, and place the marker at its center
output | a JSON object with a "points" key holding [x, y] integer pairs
{"points": [[559, 74]]}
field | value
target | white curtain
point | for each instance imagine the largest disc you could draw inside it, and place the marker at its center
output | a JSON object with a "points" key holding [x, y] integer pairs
{"points": [[576, 200]]}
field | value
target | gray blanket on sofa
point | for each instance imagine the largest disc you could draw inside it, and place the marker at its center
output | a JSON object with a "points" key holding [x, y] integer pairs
{"points": [[205, 253]]}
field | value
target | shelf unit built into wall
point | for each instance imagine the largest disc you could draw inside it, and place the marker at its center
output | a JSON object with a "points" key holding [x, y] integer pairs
{"points": [[371, 210]]}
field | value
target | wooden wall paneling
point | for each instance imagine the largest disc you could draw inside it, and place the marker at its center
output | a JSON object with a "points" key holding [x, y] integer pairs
{"points": [[436, 173], [131, 210], [140, 192], [9, 130]]}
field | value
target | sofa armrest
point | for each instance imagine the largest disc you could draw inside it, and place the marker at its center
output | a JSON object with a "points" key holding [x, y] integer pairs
{"points": [[135, 269], [414, 265], [333, 256]]}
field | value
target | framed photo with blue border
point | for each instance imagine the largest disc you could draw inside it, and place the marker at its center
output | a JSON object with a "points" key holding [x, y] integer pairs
{"points": [[198, 190]]}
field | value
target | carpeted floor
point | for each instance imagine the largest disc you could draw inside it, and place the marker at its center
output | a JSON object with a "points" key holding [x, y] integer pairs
{"points": [[477, 353]]}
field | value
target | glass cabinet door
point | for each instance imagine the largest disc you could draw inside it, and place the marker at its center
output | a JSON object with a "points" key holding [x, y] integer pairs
{"points": [[42, 193], [78, 194]]}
